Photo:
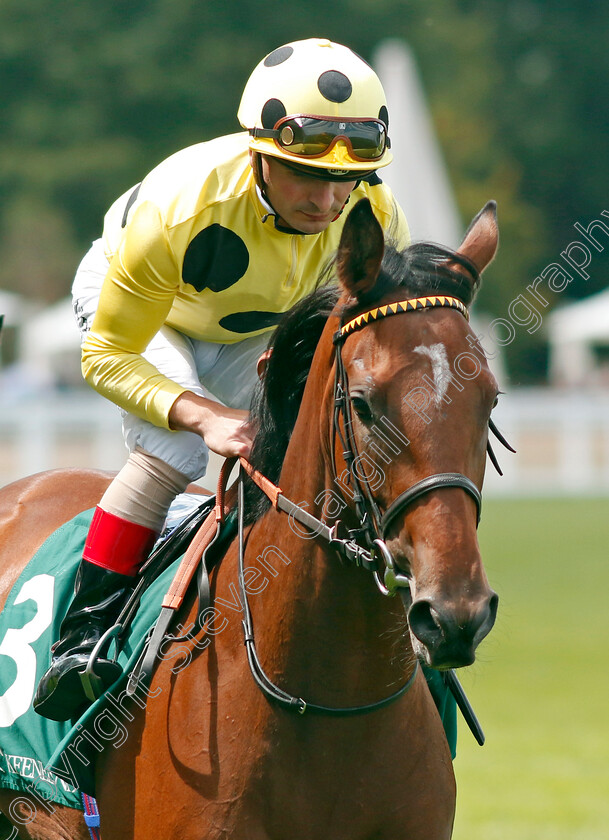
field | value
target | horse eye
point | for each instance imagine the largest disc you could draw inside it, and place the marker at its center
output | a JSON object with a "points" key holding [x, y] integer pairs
{"points": [[362, 409]]}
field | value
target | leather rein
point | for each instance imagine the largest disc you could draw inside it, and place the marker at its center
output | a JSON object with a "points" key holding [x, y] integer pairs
{"points": [[373, 554]]}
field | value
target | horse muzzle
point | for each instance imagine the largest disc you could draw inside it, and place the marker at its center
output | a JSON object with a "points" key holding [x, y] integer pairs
{"points": [[446, 635]]}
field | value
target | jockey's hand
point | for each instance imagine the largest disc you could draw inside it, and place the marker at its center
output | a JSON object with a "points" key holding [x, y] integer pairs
{"points": [[229, 433], [225, 430]]}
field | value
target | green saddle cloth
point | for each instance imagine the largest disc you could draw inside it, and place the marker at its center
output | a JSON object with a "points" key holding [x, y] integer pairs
{"points": [[29, 624], [31, 745]]}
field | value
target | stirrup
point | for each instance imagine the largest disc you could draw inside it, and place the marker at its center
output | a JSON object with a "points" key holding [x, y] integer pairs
{"points": [[93, 685]]}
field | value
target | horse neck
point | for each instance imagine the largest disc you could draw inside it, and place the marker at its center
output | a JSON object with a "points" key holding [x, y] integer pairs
{"points": [[335, 630]]}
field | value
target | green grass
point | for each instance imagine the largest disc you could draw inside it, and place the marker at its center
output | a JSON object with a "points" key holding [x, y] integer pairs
{"points": [[540, 685]]}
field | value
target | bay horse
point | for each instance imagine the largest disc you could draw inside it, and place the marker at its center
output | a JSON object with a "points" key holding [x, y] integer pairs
{"points": [[360, 418]]}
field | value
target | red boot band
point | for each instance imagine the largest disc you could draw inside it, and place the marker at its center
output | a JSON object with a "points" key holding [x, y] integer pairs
{"points": [[117, 544]]}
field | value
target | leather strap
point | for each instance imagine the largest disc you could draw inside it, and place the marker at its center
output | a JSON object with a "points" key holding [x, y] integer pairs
{"points": [[224, 501], [274, 692], [454, 686], [428, 485], [175, 594], [297, 704], [281, 502], [174, 597], [266, 485], [348, 549]]}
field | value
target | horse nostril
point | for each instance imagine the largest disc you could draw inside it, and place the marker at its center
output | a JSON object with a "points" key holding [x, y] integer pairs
{"points": [[493, 606], [451, 636], [423, 621], [490, 614]]}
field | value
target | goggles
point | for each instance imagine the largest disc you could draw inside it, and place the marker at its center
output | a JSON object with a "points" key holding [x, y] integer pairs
{"points": [[312, 137]]}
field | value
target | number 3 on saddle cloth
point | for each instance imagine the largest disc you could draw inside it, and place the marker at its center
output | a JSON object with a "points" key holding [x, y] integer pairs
{"points": [[56, 760], [29, 624]]}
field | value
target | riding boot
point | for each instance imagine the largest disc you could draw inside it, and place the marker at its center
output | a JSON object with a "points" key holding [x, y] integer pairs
{"points": [[113, 553]]}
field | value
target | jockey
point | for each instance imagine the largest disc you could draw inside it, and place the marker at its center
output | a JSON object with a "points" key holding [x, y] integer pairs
{"points": [[176, 301]]}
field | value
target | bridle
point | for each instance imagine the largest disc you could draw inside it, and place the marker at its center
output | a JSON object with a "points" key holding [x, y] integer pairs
{"points": [[373, 525], [371, 517]]}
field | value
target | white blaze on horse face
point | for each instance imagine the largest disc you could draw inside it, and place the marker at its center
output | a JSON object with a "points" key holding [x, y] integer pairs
{"points": [[440, 368], [361, 365]]}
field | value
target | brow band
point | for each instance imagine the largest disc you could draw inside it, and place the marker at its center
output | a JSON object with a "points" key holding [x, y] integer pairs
{"points": [[410, 305]]}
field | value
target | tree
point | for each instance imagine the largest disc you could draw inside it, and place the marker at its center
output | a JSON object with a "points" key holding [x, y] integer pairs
{"points": [[95, 94]]}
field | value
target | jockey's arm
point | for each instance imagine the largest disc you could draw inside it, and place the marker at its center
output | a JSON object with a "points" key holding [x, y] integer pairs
{"points": [[225, 430], [136, 297]]}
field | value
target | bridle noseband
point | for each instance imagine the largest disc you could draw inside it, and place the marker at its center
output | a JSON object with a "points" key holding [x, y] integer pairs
{"points": [[374, 525], [426, 485]]}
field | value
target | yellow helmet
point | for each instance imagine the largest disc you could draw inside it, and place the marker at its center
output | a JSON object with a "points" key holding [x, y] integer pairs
{"points": [[318, 104]]}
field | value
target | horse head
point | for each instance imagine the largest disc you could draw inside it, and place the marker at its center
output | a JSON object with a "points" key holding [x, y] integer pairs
{"points": [[418, 399]]}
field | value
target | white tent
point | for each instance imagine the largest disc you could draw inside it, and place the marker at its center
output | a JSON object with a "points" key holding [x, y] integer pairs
{"points": [[13, 307], [49, 345], [14, 311], [574, 331], [53, 330], [417, 175]]}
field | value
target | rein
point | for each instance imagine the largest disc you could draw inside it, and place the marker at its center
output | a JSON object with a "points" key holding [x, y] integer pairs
{"points": [[272, 691]]}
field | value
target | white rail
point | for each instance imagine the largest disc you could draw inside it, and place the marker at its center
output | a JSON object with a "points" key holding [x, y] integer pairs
{"points": [[562, 440], [41, 433], [562, 443]]}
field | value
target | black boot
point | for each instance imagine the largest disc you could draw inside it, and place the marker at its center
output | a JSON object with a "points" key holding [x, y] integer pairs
{"points": [[99, 596]]}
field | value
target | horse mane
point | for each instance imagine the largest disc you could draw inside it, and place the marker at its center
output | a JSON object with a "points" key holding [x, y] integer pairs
{"points": [[420, 269], [277, 396]]}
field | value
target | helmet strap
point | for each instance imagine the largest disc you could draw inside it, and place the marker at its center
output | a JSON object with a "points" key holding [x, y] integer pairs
{"points": [[256, 160]]}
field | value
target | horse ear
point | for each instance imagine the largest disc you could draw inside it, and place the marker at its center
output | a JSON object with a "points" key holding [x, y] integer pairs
{"points": [[361, 250], [263, 362], [481, 238]]}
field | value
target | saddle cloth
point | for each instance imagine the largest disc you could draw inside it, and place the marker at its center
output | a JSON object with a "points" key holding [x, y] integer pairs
{"points": [[29, 624]]}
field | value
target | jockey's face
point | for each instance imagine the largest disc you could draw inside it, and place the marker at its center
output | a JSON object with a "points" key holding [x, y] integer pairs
{"points": [[301, 202]]}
